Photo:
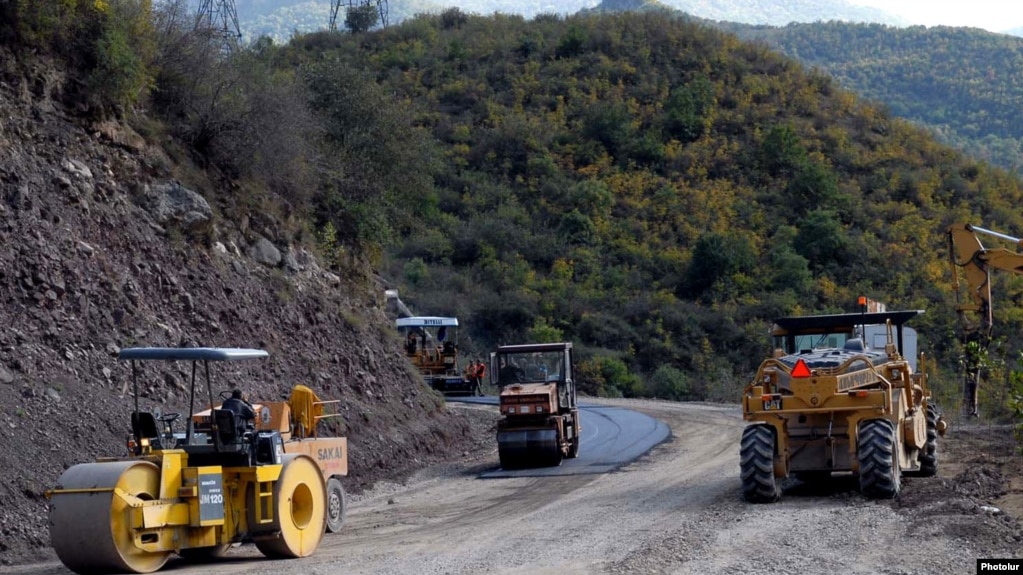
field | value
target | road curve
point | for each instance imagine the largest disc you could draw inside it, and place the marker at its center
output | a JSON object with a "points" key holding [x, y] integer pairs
{"points": [[611, 437]]}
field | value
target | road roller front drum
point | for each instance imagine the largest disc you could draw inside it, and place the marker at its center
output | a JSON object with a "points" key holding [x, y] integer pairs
{"points": [[90, 525]]}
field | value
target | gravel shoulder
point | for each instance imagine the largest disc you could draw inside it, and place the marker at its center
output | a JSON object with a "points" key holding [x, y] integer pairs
{"points": [[676, 510]]}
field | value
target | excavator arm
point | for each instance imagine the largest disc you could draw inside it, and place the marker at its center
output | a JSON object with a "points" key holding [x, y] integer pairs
{"points": [[972, 263]]}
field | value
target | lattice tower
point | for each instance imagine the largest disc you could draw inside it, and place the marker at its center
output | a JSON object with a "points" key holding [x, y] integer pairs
{"points": [[218, 16], [335, 7]]}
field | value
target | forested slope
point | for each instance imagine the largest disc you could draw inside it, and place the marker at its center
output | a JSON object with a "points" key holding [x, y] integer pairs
{"points": [[963, 83], [657, 191]]}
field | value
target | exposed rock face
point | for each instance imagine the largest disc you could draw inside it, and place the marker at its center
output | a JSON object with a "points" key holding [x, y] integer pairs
{"points": [[86, 269], [172, 203], [264, 252]]}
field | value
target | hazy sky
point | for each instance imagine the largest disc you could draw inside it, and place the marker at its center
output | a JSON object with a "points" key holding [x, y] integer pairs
{"points": [[993, 15]]}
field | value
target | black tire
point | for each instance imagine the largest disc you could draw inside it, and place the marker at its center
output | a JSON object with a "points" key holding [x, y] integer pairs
{"points": [[573, 447], [928, 457], [337, 505], [880, 475], [756, 464]]}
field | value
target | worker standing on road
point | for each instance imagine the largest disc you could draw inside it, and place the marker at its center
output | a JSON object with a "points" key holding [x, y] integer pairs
{"points": [[480, 372]]}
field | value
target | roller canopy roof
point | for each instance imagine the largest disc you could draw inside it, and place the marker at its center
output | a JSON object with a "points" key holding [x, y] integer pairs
{"points": [[192, 353], [426, 321]]}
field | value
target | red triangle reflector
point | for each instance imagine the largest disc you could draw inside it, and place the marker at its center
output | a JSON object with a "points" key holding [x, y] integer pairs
{"points": [[800, 369]]}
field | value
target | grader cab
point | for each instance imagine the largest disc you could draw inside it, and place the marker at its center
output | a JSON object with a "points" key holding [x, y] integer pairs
{"points": [[193, 493], [827, 402]]}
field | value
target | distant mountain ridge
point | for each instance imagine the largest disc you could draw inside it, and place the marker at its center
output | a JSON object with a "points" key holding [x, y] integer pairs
{"points": [[964, 84], [279, 19]]}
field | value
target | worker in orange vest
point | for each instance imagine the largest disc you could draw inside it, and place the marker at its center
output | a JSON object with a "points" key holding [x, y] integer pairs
{"points": [[480, 373]]}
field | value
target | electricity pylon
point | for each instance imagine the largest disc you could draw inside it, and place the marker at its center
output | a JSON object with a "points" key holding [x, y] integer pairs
{"points": [[335, 7], [218, 16]]}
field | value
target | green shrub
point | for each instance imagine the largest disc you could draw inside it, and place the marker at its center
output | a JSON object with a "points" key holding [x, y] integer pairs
{"points": [[669, 382], [110, 42]]}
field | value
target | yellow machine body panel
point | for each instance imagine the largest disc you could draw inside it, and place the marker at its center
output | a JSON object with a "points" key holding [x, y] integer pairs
{"points": [[529, 399], [329, 453]]}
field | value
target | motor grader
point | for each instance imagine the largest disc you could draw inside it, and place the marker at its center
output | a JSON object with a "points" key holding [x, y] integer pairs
{"points": [[825, 403], [540, 424], [193, 493]]}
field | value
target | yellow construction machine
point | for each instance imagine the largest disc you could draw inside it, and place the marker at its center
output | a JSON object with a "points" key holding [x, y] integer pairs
{"points": [[973, 262], [827, 402], [297, 420], [538, 401], [431, 344], [195, 493]]}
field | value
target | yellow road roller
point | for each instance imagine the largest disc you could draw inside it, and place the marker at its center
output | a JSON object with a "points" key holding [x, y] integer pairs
{"points": [[540, 426], [194, 493]]}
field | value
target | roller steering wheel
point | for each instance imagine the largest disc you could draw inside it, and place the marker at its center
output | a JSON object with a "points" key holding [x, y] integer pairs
{"points": [[169, 418]]}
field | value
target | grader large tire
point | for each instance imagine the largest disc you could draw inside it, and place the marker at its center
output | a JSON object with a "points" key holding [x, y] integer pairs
{"points": [[880, 475], [90, 529], [300, 509], [337, 505], [756, 464], [928, 457]]}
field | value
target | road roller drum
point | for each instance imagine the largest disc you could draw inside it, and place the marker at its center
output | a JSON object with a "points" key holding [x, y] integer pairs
{"points": [[518, 448], [89, 526]]}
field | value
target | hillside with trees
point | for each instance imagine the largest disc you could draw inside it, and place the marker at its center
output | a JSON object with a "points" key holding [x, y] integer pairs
{"points": [[650, 188], [655, 190], [964, 84]]}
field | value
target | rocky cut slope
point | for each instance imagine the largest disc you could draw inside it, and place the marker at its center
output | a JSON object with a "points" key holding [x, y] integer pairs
{"points": [[100, 249]]}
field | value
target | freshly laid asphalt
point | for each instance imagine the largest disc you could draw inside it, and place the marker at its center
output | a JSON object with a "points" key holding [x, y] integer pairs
{"points": [[611, 437]]}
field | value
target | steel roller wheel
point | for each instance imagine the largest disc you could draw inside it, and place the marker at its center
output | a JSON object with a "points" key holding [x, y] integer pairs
{"points": [[880, 475], [337, 505], [511, 458], [300, 508], [90, 531], [756, 464], [518, 448]]}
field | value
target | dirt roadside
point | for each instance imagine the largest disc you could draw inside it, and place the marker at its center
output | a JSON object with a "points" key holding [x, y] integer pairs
{"points": [[676, 510]]}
